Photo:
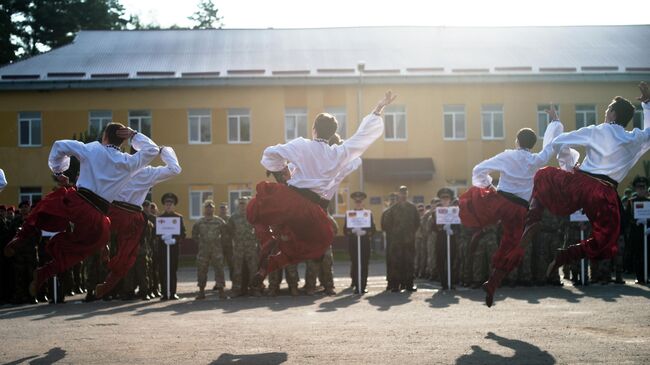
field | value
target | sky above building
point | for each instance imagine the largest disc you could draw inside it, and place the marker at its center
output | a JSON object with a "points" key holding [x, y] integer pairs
{"points": [[346, 13]]}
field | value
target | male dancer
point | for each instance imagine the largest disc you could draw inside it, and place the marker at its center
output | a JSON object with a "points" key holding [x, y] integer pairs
{"points": [[292, 218], [104, 170], [611, 152], [128, 220], [483, 204]]}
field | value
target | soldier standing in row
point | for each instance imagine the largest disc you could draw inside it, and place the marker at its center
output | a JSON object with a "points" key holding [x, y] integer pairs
{"points": [[392, 200], [636, 227], [245, 251], [321, 268], [207, 232], [25, 260], [154, 274], [421, 252], [226, 242]]}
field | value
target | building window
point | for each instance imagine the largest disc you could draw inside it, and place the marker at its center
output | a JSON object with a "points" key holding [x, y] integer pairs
{"points": [[585, 115], [29, 129], [295, 123], [97, 121], [638, 117], [200, 125], [341, 117], [340, 203], [239, 126], [198, 195], [395, 123], [454, 122], [140, 120], [234, 195], [492, 121], [543, 118], [31, 194]]}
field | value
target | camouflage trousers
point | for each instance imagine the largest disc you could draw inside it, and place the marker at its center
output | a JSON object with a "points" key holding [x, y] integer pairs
{"points": [[421, 256], [241, 261], [431, 272], [24, 265], [544, 250], [210, 255], [138, 276], [321, 269], [524, 273], [477, 263], [290, 273]]}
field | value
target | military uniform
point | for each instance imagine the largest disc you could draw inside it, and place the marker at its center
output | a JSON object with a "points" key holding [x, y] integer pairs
{"points": [[548, 241], [207, 232], [421, 249], [290, 274], [245, 253], [226, 242]]}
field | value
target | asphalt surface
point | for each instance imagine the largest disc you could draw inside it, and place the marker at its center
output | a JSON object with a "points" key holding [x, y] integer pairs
{"points": [[597, 324]]}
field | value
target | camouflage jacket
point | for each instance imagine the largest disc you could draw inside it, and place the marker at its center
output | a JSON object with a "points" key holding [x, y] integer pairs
{"points": [[243, 233], [207, 231]]}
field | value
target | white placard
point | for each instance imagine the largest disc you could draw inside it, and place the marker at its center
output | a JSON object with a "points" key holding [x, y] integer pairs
{"points": [[358, 218], [641, 210], [168, 225], [48, 234], [447, 215], [578, 216]]}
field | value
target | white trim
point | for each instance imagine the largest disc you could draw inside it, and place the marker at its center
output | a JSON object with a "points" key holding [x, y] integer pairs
{"points": [[200, 117], [453, 115], [295, 113], [139, 120], [492, 113], [239, 192], [584, 114], [30, 121], [238, 116], [395, 113]]}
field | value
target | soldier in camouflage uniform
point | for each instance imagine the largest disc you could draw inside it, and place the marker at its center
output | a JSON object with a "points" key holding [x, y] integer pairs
{"points": [[245, 250], [421, 252], [290, 274], [322, 269], [549, 239], [154, 258], [431, 236], [207, 233], [226, 242], [485, 249]]}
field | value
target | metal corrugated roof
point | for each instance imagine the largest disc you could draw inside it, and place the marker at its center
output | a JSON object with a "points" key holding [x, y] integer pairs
{"points": [[328, 52]]}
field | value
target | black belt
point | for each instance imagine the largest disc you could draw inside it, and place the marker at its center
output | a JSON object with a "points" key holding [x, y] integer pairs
{"points": [[602, 178], [127, 206], [312, 197], [513, 198], [95, 200]]}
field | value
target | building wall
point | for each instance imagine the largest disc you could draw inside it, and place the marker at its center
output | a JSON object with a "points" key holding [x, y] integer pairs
{"points": [[221, 165]]}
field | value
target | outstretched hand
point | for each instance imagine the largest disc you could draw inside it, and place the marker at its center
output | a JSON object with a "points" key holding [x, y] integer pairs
{"points": [[645, 92], [389, 97], [552, 113], [125, 133]]}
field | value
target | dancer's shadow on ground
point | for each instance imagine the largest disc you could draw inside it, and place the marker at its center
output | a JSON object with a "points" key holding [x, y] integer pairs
{"points": [[444, 298], [269, 358], [53, 355], [385, 300], [525, 353]]}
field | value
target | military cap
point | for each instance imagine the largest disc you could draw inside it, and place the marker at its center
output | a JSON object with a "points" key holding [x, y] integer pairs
{"points": [[243, 199], [445, 191], [403, 189], [169, 196], [208, 203], [358, 195], [640, 180], [223, 205]]}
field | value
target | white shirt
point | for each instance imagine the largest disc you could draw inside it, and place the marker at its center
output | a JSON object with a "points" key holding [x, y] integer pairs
{"points": [[136, 189], [3, 180], [517, 168], [103, 170], [319, 166], [610, 149]]}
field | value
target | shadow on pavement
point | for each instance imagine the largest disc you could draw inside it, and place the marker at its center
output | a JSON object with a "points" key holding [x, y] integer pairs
{"points": [[269, 358], [525, 353], [344, 299], [385, 300], [53, 355], [443, 299]]}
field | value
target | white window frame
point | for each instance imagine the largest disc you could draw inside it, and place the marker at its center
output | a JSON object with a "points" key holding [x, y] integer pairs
{"points": [[203, 116], [541, 112], [138, 120], [29, 196], [341, 116], [585, 112], [454, 116], [491, 111], [101, 120], [295, 113], [31, 121], [240, 193], [395, 111], [238, 113], [204, 195], [334, 208]]}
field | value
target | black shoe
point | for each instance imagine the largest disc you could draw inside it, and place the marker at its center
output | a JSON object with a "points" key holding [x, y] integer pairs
{"points": [[412, 288], [90, 297], [215, 287]]}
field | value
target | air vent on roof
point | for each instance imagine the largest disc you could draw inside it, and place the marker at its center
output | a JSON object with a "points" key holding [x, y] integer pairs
{"points": [[291, 72], [637, 69], [200, 74], [20, 77], [110, 76], [335, 70], [66, 74], [514, 69], [247, 72], [470, 70], [557, 69], [382, 71], [156, 73], [425, 69], [599, 68]]}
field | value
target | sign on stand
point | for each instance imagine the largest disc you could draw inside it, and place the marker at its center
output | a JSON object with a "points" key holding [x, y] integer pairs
{"points": [[168, 226], [444, 216], [642, 211], [358, 219], [578, 216]]}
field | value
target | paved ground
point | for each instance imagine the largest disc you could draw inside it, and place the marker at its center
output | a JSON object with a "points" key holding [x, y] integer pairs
{"points": [[594, 325]]}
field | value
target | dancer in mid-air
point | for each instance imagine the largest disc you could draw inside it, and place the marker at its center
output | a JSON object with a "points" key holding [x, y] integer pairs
{"points": [[290, 215]]}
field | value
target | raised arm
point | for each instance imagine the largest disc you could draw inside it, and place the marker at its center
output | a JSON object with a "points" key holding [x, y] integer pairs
{"points": [[170, 169], [481, 173], [59, 159], [554, 129], [147, 151]]}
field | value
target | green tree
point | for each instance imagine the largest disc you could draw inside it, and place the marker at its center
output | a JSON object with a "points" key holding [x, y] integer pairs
{"points": [[12, 14], [207, 17]]}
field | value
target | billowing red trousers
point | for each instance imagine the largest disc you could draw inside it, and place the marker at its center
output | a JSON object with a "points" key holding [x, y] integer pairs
{"points": [[127, 227], [301, 228], [55, 213], [482, 207], [563, 193]]}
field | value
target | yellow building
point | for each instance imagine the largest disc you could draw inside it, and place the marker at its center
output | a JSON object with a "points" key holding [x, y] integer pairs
{"points": [[219, 97]]}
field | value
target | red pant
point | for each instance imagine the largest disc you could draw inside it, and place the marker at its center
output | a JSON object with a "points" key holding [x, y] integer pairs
{"points": [[55, 213], [127, 226], [482, 207], [304, 224], [563, 193]]}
